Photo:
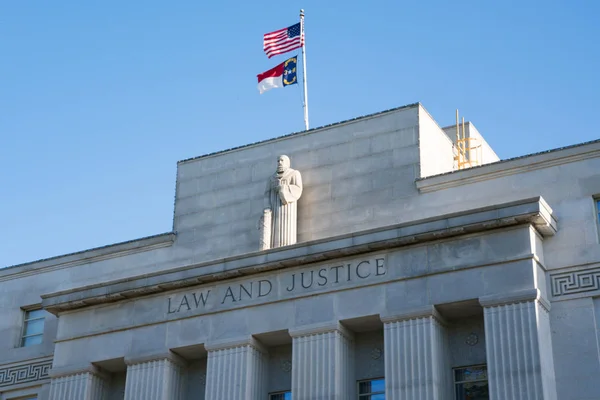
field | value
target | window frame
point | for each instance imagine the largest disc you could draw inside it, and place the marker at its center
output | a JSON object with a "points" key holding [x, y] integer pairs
{"points": [[31, 393], [25, 323], [361, 396], [279, 392], [455, 382]]}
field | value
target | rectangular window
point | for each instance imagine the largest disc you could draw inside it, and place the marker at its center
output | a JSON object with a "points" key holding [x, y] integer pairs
{"points": [[372, 389], [471, 383], [33, 328], [280, 396]]}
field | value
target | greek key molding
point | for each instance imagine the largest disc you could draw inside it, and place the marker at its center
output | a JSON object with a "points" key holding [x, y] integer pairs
{"points": [[575, 282], [24, 373]]}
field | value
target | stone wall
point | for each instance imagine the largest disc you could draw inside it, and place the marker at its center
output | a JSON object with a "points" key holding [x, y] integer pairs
{"points": [[348, 171]]}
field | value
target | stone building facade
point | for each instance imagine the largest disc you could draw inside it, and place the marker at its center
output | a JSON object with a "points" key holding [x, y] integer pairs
{"points": [[409, 279]]}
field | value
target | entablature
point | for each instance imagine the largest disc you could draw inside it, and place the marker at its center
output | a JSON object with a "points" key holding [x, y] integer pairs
{"points": [[533, 211]]}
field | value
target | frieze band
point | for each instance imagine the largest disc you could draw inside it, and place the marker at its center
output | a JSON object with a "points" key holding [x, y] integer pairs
{"points": [[17, 374], [296, 282], [575, 282]]}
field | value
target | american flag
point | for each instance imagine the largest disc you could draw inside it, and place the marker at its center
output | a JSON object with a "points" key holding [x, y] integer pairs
{"points": [[283, 40]]}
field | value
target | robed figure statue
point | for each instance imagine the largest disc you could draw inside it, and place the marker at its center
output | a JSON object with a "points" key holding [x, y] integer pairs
{"points": [[280, 215]]}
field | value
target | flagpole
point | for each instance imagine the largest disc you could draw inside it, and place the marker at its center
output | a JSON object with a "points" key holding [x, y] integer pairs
{"points": [[304, 68]]}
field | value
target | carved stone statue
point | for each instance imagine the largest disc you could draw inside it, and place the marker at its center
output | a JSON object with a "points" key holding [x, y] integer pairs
{"points": [[279, 221]]}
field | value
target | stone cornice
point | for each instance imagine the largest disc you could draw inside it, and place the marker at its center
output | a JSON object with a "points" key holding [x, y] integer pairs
{"points": [[534, 212], [510, 167], [87, 256]]}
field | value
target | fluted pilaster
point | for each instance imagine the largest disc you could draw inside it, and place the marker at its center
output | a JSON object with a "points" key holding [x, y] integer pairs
{"points": [[85, 384], [519, 349], [236, 370], [416, 356], [322, 363], [155, 378]]}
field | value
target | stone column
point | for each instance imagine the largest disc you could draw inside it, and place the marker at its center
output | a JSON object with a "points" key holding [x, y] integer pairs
{"points": [[236, 370], [519, 346], [87, 383], [417, 365], [157, 377], [323, 363]]}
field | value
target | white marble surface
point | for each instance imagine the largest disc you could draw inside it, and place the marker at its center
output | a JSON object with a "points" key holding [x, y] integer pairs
{"points": [[284, 189], [417, 364], [236, 371], [79, 386], [323, 363], [520, 365], [157, 379]]}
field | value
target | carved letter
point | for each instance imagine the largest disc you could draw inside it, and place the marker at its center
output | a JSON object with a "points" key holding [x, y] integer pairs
{"points": [[249, 293], [169, 308], [358, 271], [228, 293], [324, 277], [311, 280], [184, 301], [348, 267], [337, 272], [293, 283], [379, 263], [202, 298], [260, 291]]}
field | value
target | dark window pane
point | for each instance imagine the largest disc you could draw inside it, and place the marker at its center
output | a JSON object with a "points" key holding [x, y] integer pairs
{"points": [[470, 374], [34, 327], [364, 387], [31, 340], [281, 396], [472, 391]]}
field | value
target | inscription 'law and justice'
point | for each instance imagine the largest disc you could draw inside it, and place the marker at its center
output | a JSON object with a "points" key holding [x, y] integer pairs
{"points": [[295, 282]]}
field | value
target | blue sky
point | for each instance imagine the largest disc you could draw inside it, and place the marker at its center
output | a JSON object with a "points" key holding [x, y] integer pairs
{"points": [[99, 101]]}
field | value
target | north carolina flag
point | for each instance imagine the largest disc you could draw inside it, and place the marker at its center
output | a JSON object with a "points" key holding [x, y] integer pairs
{"points": [[281, 76]]}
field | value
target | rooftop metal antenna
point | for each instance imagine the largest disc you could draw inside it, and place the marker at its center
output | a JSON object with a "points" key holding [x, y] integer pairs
{"points": [[468, 149]]}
